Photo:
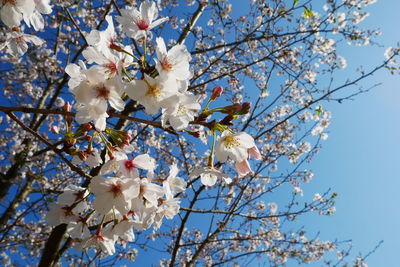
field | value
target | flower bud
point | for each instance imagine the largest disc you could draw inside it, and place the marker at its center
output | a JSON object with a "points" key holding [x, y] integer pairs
{"points": [[67, 106], [128, 137], [69, 141], [228, 119], [114, 46], [232, 109], [55, 129], [245, 108], [87, 126], [216, 92], [82, 155]]}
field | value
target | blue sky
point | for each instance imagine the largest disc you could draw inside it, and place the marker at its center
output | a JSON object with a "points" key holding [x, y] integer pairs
{"points": [[360, 159]]}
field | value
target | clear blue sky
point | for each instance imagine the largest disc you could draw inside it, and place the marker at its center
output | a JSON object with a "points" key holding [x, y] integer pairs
{"points": [[360, 159]]}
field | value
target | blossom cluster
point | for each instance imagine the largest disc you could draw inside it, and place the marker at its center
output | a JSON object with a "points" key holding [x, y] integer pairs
{"points": [[123, 199], [12, 13], [121, 203]]}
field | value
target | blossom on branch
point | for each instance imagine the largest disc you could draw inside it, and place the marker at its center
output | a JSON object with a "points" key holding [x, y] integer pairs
{"points": [[137, 24]]}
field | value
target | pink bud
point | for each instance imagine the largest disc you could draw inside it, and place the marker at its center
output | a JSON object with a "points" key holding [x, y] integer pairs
{"points": [[87, 138], [216, 92], [87, 126], [67, 106], [55, 129], [82, 155], [128, 137], [115, 47], [245, 108]]}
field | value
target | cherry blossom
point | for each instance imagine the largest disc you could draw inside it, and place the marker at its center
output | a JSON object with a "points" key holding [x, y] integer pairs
{"points": [[175, 184], [129, 168], [173, 63], [136, 24], [152, 93], [237, 147], [113, 193], [182, 113], [16, 42], [209, 175], [13, 11], [35, 18]]}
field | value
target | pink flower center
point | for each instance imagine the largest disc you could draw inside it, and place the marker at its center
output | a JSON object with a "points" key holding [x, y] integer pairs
{"points": [[166, 65], [142, 25], [19, 40], [11, 2], [112, 67], [116, 189], [129, 165], [68, 211], [102, 92]]}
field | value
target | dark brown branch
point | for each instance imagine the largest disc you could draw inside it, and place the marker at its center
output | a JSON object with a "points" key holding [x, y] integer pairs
{"points": [[47, 143]]}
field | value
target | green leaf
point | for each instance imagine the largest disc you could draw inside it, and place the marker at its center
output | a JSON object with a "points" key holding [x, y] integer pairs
{"points": [[295, 2], [308, 13]]}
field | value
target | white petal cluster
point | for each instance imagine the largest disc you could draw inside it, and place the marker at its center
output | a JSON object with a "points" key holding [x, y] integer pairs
{"points": [[12, 12], [92, 91], [121, 203], [168, 89], [16, 42], [138, 23], [209, 175], [237, 147]]}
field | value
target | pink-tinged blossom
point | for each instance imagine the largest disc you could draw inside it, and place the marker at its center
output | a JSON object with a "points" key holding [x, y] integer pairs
{"points": [[98, 90], [104, 41], [72, 194], [182, 113], [113, 193], [209, 175], [78, 229], [104, 240], [143, 216], [35, 18], [16, 43], [13, 11], [102, 51], [173, 183], [169, 208], [93, 158], [129, 168], [92, 91], [123, 229], [152, 93], [59, 213], [173, 63], [87, 113], [237, 147], [113, 165], [109, 65], [137, 24], [150, 192]]}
